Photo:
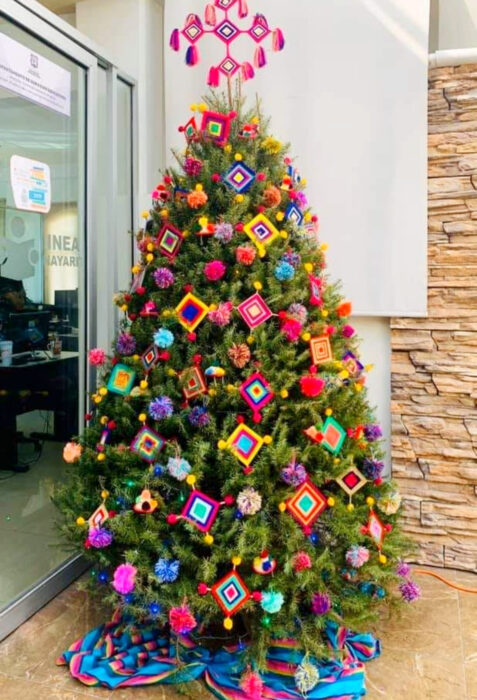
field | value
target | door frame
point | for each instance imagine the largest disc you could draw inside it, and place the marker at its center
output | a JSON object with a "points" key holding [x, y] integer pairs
{"points": [[46, 27]]}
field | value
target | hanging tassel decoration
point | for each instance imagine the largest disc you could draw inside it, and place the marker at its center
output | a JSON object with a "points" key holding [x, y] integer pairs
{"points": [[193, 19], [174, 42], [214, 77], [243, 8], [260, 58], [192, 56], [247, 71], [261, 19], [210, 15], [278, 41]]}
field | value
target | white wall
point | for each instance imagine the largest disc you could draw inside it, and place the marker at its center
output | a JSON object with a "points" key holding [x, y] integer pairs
{"points": [[453, 24], [350, 93]]}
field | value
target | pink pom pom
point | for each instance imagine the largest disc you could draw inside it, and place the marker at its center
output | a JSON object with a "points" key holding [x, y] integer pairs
{"points": [[229, 500], [214, 77], [252, 685], [301, 561], [171, 519], [311, 386], [215, 270], [261, 177], [291, 329], [202, 589], [330, 330], [97, 357], [216, 177], [245, 255], [124, 580], [257, 596], [181, 620], [348, 331], [174, 42]]}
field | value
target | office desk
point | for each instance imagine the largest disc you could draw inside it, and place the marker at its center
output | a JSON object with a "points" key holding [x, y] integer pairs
{"points": [[46, 386]]}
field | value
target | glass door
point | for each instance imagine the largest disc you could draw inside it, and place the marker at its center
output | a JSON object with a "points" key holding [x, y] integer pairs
{"points": [[42, 296]]}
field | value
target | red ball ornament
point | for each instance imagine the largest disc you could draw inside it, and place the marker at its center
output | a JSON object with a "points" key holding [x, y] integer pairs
{"points": [[388, 527], [141, 291], [127, 298], [202, 589], [132, 317], [257, 596], [247, 470], [307, 530], [239, 227], [88, 416], [188, 288], [282, 315], [112, 513], [165, 356], [260, 208], [292, 194], [287, 160], [378, 481], [330, 330], [192, 337], [216, 177], [364, 530], [171, 519], [229, 500], [197, 359], [257, 418], [314, 219], [313, 369], [311, 386], [168, 180], [87, 544], [264, 554], [261, 177], [112, 425], [240, 420], [114, 361]]}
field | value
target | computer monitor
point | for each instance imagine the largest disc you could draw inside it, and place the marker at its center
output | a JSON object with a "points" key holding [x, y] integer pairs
{"points": [[66, 301], [28, 331]]}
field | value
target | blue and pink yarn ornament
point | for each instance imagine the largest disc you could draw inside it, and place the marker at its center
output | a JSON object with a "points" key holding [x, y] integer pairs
{"points": [[294, 474], [199, 417], [161, 408], [320, 604], [99, 538], [163, 277], [357, 556], [179, 468], [373, 432], [224, 232]]}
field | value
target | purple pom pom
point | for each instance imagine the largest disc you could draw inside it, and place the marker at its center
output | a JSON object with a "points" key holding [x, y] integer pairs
{"points": [[199, 417], [373, 432], [372, 469], [224, 232], [320, 604], [100, 538], [410, 591], [126, 344], [161, 408], [294, 474], [403, 569], [163, 277]]}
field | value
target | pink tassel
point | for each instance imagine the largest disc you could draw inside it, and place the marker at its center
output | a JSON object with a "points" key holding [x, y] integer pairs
{"points": [[278, 40], [214, 77], [175, 40], [247, 71], [210, 15], [192, 56], [193, 19], [243, 8], [261, 19], [260, 58]]}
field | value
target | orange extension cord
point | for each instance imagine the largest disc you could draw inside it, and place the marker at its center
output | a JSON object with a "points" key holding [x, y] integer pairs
{"points": [[422, 572]]}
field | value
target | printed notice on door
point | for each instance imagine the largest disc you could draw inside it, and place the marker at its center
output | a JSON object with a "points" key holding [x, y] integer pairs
{"points": [[34, 77], [31, 184]]}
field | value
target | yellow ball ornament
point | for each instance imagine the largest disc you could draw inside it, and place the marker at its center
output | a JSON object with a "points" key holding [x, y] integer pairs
{"points": [[236, 561], [329, 412], [202, 107], [142, 417], [104, 494], [268, 439], [124, 308], [324, 247], [103, 391], [97, 399], [284, 394], [258, 286], [80, 521], [228, 148], [325, 313], [101, 457], [103, 420], [164, 213], [250, 340], [350, 507], [143, 384], [306, 337], [238, 157], [193, 107], [331, 502], [199, 187], [209, 540], [284, 235], [145, 214], [280, 216], [191, 480], [222, 445], [239, 198], [383, 559], [370, 501], [149, 257], [135, 270], [228, 624], [212, 392], [336, 461], [150, 247], [135, 358], [171, 372], [282, 507], [308, 267]]}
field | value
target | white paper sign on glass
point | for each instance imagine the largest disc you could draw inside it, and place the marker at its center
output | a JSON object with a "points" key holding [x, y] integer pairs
{"points": [[31, 184], [34, 77]]}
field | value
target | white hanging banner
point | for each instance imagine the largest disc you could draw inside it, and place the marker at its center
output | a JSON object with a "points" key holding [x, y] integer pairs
{"points": [[34, 77], [31, 184]]}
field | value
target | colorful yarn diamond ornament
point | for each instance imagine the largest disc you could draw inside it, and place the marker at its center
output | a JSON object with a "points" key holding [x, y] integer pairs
{"points": [[230, 427]]}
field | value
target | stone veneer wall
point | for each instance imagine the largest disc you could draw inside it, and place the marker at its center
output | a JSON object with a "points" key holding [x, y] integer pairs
{"points": [[434, 360]]}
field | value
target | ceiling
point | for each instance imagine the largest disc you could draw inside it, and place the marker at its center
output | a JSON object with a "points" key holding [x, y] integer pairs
{"points": [[62, 6]]}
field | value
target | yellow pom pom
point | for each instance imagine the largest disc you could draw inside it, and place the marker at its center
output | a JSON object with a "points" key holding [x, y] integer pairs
{"points": [[255, 120], [350, 507], [97, 399], [191, 480], [101, 457], [103, 391], [203, 221], [239, 198], [202, 107], [149, 257], [236, 561], [199, 187], [124, 308], [222, 445], [308, 217], [213, 307], [324, 247], [268, 439], [150, 247], [135, 270], [358, 387], [186, 234], [304, 181], [262, 252], [250, 340], [103, 420], [329, 412], [308, 267], [135, 358], [370, 501], [145, 214], [331, 502], [164, 213], [369, 368], [212, 392], [282, 507], [193, 108], [325, 313], [209, 540], [238, 157], [284, 394], [344, 374], [284, 235], [230, 388], [171, 372], [80, 521], [228, 623], [104, 494], [142, 417], [143, 384], [228, 148], [166, 313], [258, 286], [306, 337], [280, 216], [383, 559], [336, 461]]}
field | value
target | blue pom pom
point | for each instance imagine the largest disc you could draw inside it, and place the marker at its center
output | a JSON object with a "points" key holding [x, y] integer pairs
{"points": [[284, 271], [166, 570], [154, 609], [163, 338]]}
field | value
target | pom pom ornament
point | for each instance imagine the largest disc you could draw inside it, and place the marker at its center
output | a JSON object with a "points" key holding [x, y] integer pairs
{"points": [[410, 591], [193, 167], [357, 556], [320, 604], [99, 538], [245, 255], [126, 344], [389, 505], [163, 277], [182, 620], [294, 474], [124, 580], [372, 469], [167, 570], [199, 417], [272, 601], [272, 197], [145, 503], [301, 562], [264, 565], [97, 357], [284, 272], [239, 355], [222, 315], [215, 270], [72, 452], [224, 232], [179, 468], [252, 685], [249, 501], [163, 338], [307, 677], [311, 386], [161, 408]]}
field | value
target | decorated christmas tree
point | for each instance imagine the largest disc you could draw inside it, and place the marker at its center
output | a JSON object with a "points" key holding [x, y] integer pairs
{"points": [[228, 487]]}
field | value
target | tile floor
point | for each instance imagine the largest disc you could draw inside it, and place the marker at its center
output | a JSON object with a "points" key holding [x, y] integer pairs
{"points": [[430, 653], [28, 539]]}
